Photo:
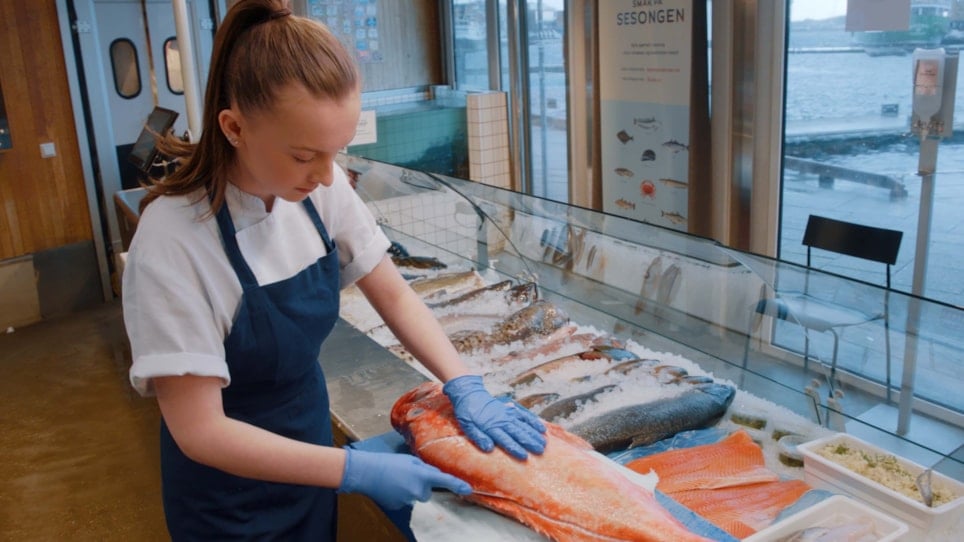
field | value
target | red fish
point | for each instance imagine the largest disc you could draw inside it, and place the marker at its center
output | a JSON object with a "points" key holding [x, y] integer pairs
{"points": [[566, 493]]}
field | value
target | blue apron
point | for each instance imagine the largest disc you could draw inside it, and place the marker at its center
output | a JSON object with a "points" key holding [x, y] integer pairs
{"points": [[276, 384]]}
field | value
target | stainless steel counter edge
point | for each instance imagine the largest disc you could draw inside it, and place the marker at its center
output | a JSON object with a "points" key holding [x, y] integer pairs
{"points": [[364, 381]]}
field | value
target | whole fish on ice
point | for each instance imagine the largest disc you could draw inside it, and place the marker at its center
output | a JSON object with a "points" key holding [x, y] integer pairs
{"points": [[418, 262], [511, 298], [567, 493], [579, 341], [565, 407], [541, 318], [449, 281], [603, 354], [699, 406]]}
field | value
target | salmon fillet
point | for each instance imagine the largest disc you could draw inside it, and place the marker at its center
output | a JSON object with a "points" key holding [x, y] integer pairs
{"points": [[735, 460], [742, 510], [567, 493]]}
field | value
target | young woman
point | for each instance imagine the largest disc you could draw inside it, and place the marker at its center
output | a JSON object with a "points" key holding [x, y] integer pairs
{"points": [[232, 284]]}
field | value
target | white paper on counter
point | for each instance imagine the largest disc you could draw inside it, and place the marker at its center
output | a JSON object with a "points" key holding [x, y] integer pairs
{"points": [[447, 517]]}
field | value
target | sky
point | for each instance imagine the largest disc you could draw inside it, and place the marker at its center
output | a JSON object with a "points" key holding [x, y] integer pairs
{"points": [[816, 9]]}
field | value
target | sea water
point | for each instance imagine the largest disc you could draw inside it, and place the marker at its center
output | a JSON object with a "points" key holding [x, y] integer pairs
{"points": [[827, 91]]}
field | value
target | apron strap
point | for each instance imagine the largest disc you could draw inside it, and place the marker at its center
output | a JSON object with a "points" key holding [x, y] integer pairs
{"points": [[228, 233], [319, 225]]}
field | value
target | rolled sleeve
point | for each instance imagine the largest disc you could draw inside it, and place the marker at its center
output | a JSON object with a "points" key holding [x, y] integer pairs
{"points": [[146, 368], [169, 317], [365, 260], [360, 240]]}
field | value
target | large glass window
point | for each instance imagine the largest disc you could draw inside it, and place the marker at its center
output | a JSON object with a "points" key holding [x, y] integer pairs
{"points": [[540, 27], [469, 30], [547, 92], [849, 153]]}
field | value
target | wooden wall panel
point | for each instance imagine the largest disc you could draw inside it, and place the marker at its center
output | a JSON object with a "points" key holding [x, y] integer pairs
{"points": [[43, 203]]}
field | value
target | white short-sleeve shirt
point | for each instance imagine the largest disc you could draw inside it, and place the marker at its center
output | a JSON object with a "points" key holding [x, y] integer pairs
{"points": [[180, 292]]}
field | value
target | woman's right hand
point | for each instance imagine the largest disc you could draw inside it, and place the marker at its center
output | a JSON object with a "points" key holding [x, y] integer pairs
{"points": [[395, 480]]}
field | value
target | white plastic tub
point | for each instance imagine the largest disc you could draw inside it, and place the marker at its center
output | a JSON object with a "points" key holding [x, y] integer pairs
{"points": [[832, 512], [822, 472]]}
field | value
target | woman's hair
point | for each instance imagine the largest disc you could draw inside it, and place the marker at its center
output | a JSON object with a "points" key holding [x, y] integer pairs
{"points": [[259, 48]]}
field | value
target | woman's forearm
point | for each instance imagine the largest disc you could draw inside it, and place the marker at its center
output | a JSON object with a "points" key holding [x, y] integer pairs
{"points": [[412, 322], [203, 432]]}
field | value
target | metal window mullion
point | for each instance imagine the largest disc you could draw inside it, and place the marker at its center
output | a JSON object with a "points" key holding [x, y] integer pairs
{"points": [[447, 31], [722, 123], [519, 126], [494, 52], [580, 66], [768, 127]]}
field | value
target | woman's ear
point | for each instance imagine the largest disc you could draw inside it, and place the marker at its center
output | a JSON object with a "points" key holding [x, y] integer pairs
{"points": [[231, 122]]}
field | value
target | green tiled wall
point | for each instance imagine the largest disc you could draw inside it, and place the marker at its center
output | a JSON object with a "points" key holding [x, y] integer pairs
{"points": [[425, 138]]}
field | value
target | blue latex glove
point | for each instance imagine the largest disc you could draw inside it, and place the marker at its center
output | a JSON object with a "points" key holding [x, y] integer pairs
{"points": [[395, 480], [489, 422]]}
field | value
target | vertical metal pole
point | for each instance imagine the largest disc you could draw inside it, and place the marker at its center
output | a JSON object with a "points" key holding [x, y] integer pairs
{"points": [[543, 123], [185, 48], [927, 165], [927, 169]]}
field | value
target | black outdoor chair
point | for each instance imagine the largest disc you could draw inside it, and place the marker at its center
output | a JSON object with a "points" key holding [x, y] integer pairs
{"points": [[855, 240]]}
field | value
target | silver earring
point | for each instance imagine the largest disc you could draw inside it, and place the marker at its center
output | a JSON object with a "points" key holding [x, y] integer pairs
{"points": [[234, 142]]}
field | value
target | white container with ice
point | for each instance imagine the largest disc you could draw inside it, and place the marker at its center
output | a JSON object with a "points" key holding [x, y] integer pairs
{"points": [[827, 474], [835, 511]]}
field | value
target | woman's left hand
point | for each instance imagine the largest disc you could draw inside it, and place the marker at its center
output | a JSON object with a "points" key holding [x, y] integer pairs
{"points": [[489, 422]]}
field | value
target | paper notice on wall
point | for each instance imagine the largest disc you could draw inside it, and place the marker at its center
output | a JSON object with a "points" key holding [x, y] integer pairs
{"points": [[645, 71], [367, 130], [874, 15]]}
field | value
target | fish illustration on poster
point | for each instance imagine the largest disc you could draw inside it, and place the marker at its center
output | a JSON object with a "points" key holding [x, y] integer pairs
{"points": [[645, 73]]}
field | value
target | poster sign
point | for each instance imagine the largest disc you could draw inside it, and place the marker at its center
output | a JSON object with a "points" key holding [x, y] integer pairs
{"points": [[874, 15], [645, 71], [355, 22]]}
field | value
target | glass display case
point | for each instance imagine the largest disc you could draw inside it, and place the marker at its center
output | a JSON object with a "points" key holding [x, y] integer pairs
{"points": [[697, 300]]}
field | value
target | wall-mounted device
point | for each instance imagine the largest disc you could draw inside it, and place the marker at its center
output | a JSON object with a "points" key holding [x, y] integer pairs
{"points": [[144, 153], [935, 77], [6, 142]]}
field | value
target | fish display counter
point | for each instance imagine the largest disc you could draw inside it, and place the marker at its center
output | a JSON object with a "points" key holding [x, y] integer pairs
{"points": [[643, 350]]}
